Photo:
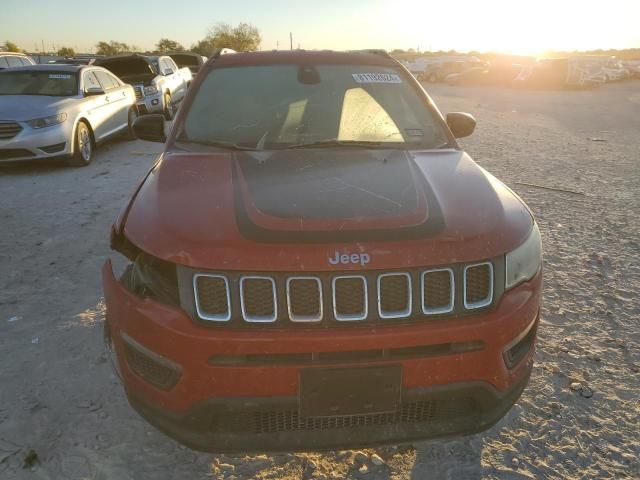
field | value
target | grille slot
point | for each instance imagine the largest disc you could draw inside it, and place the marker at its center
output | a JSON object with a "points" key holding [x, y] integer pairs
{"points": [[9, 130], [304, 299], [350, 299], [212, 297], [394, 295], [438, 287], [478, 285], [137, 89], [258, 299]]}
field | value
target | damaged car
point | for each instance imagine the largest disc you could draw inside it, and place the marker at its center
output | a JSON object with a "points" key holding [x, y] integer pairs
{"points": [[158, 83], [314, 262]]}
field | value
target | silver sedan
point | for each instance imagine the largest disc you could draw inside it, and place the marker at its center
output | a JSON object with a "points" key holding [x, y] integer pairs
{"points": [[51, 111]]}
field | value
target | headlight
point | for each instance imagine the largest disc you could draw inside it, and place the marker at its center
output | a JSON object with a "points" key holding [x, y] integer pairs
{"points": [[148, 277], [47, 121], [150, 90], [523, 262]]}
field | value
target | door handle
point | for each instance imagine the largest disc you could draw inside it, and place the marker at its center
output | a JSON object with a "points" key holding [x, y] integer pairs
{"points": [[106, 99]]}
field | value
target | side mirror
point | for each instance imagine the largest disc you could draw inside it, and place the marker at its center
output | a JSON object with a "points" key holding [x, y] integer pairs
{"points": [[461, 124], [93, 91], [150, 128], [167, 71]]}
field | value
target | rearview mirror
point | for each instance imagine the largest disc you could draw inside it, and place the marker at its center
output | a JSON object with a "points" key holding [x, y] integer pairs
{"points": [[92, 91], [150, 128], [461, 124]]}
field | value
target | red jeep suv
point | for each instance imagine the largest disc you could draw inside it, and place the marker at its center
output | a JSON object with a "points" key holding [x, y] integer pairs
{"points": [[313, 262]]}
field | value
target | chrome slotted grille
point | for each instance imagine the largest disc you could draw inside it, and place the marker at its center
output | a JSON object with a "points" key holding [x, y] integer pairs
{"points": [[137, 89], [394, 295], [438, 287], [350, 299], [258, 299], [212, 297], [478, 285], [9, 130], [345, 297], [304, 299]]}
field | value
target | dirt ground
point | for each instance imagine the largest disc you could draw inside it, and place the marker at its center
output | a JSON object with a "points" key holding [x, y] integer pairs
{"points": [[63, 414]]}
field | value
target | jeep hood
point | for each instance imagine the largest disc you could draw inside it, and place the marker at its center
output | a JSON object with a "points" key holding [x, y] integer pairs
{"points": [[294, 209]]}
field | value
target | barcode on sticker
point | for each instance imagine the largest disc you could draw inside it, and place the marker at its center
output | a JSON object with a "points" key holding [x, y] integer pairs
{"points": [[376, 78], [59, 75]]}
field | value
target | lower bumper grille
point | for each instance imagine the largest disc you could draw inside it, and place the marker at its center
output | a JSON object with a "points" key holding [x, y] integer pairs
{"points": [[9, 153], [58, 147], [276, 421]]}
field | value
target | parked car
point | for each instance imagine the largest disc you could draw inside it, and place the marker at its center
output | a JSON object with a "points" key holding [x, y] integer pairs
{"points": [[158, 82], [51, 111], [12, 60], [438, 72], [318, 264], [192, 61], [471, 76]]}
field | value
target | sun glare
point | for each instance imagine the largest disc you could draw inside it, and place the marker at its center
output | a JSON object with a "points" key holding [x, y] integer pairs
{"points": [[514, 27]]}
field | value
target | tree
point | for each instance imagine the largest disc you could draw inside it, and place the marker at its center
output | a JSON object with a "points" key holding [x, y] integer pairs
{"points": [[11, 47], [66, 52], [112, 48], [165, 45], [242, 38]]}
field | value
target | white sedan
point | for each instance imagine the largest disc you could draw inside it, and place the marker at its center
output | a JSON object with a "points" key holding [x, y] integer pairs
{"points": [[51, 111]]}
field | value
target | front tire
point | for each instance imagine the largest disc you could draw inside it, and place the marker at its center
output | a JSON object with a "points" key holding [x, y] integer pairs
{"points": [[169, 110], [82, 146], [133, 114]]}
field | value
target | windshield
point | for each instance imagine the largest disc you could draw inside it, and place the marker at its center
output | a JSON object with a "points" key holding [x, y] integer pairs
{"points": [[185, 60], [280, 106], [32, 82]]}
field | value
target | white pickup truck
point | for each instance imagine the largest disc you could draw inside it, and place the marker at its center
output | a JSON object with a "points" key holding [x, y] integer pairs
{"points": [[158, 83]]}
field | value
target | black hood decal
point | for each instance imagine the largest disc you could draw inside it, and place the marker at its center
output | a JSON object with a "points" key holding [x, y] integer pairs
{"points": [[332, 195]]}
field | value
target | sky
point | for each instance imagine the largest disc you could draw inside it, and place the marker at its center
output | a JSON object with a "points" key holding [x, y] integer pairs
{"points": [[508, 26]]}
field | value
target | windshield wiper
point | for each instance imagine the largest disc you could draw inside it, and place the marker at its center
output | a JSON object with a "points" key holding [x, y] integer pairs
{"points": [[217, 143], [341, 143]]}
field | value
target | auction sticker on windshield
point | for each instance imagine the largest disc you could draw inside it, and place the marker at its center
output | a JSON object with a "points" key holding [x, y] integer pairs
{"points": [[376, 78], [60, 75]]}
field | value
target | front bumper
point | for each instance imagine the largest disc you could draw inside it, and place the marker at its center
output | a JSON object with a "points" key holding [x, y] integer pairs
{"points": [[150, 104], [239, 408], [37, 144]]}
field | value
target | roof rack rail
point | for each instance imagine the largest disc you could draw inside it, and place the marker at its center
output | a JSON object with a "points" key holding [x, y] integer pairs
{"points": [[375, 51]]}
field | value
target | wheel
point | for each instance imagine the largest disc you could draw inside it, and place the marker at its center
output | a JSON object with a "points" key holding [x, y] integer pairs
{"points": [[82, 146], [169, 109], [133, 114]]}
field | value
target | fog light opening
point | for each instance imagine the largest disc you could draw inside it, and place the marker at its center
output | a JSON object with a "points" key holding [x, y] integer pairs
{"points": [[157, 370]]}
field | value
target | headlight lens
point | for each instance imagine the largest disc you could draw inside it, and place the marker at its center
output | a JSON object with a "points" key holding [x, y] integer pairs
{"points": [[523, 262], [150, 90], [47, 121], [148, 277]]}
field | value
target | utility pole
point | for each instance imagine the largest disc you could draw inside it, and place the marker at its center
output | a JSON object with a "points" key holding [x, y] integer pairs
{"points": [[42, 46], [291, 40]]}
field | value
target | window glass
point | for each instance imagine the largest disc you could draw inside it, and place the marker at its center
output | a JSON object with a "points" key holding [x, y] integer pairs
{"points": [[280, 105], [90, 81], [3, 63], [105, 80], [14, 61], [38, 82]]}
